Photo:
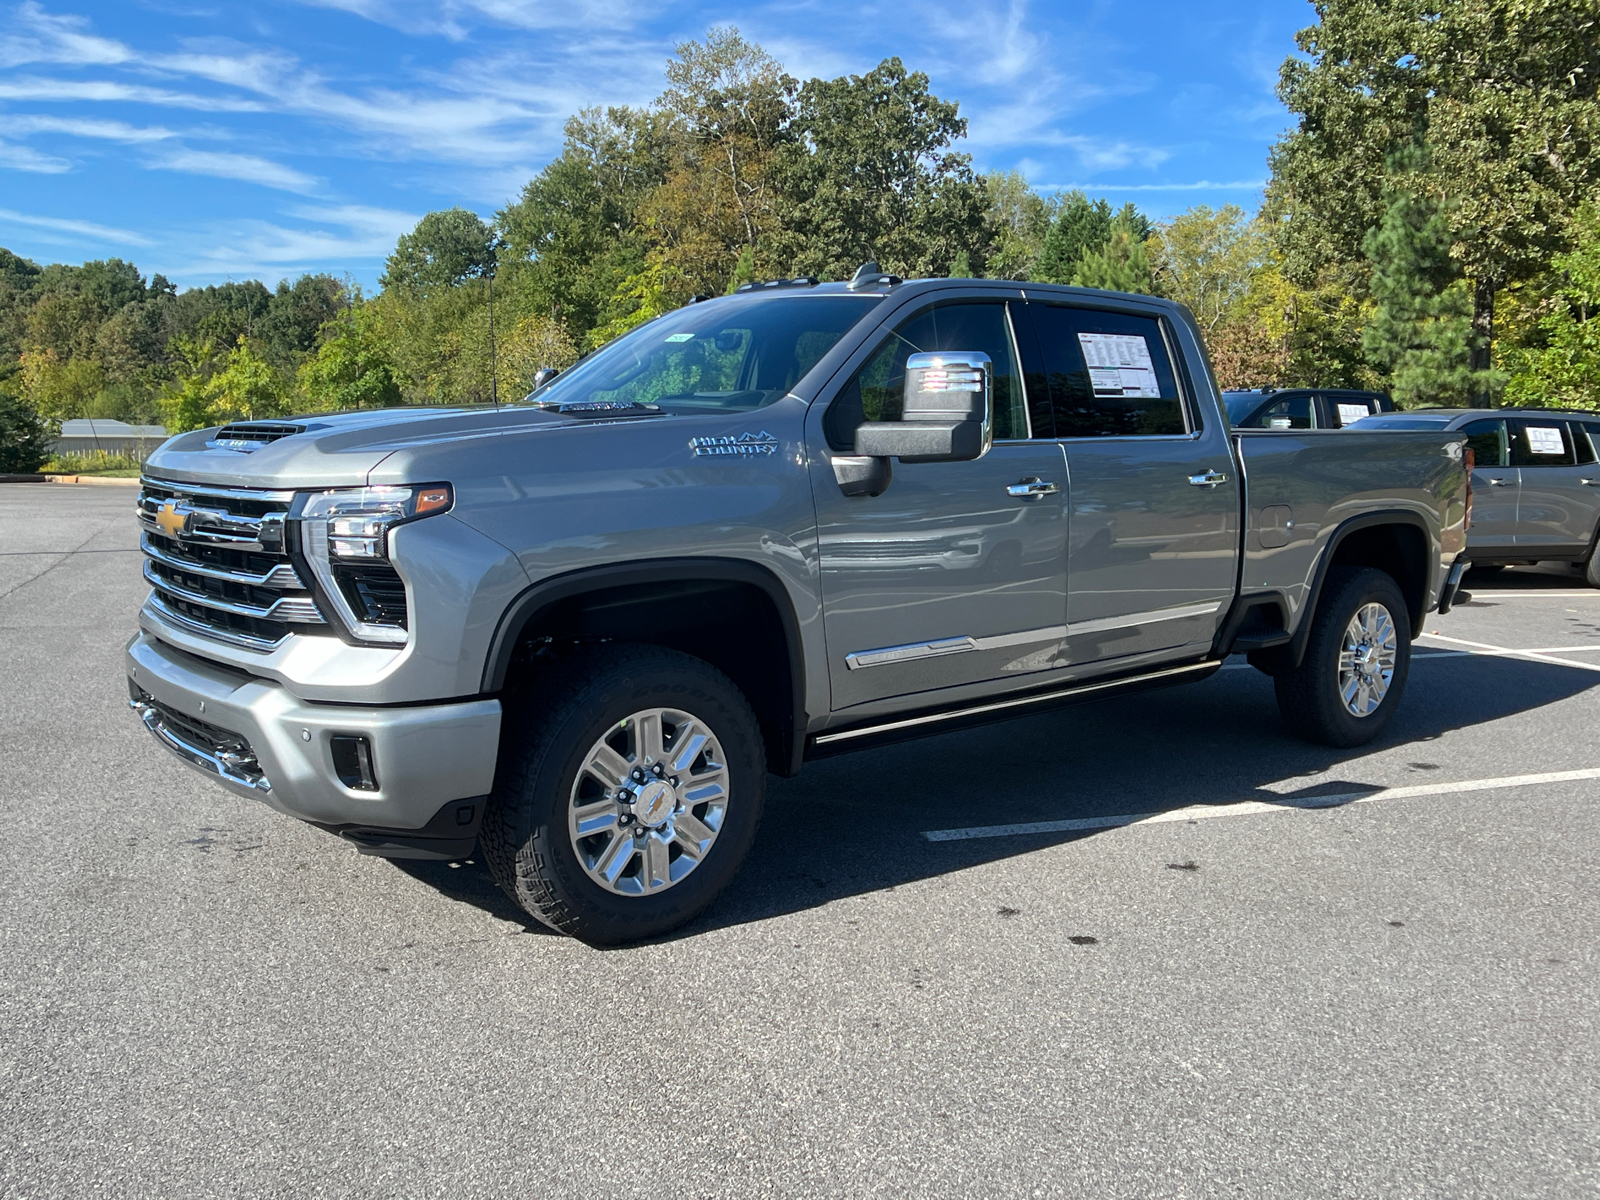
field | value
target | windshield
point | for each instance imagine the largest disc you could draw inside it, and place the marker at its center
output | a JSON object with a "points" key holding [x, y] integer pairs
{"points": [[730, 355]]}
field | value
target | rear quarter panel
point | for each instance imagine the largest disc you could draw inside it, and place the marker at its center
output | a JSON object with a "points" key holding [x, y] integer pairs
{"points": [[1326, 477]]}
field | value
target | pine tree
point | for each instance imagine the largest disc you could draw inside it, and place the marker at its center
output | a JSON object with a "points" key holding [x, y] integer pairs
{"points": [[1421, 333], [1082, 227], [1122, 264]]}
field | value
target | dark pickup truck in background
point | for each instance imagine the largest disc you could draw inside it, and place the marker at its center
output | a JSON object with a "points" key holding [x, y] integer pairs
{"points": [[579, 631]]}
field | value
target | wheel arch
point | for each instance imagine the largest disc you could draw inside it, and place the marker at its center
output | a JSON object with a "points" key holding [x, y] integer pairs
{"points": [[687, 604], [1396, 542]]}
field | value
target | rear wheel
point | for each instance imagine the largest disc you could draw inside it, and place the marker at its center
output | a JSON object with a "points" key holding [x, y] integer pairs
{"points": [[1591, 569], [1357, 658], [628, 794]]}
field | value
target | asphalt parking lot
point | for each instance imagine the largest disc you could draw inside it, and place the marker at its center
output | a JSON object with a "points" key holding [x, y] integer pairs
{"points": [[1392, 992]]}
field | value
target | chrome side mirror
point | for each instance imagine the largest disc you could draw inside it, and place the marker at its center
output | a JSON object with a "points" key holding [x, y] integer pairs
{"points": [[946, 415]]}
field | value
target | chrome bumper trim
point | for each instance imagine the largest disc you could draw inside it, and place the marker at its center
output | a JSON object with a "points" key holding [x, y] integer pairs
{"points": [[200, 757]]}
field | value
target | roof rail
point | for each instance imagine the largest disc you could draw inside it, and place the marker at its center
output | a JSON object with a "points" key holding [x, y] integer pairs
{"points": [[797, 281]]}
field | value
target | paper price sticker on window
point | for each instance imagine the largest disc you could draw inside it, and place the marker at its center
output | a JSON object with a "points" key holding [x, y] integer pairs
{"points": [[1350, 413], [1545, 439], [1119, 365]]}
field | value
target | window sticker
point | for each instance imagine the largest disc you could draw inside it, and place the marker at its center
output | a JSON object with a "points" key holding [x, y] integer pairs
{"points": [[680, 337], [1119, 364], [1545, 439], [1349, 413]]}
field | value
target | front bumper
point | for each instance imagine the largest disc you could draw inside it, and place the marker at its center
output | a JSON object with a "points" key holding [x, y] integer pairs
{"points": [[424, 757]]}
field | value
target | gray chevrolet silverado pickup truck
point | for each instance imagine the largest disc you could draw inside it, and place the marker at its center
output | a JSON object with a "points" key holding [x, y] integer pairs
{"points": [[578, 631]]}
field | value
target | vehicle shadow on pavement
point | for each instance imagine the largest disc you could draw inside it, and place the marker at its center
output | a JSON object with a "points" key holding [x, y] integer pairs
{"points": [[854, 824]]}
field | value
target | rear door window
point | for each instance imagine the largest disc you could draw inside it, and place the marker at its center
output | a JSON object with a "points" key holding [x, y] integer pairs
{"points": [[1292, 412], [1487, 441], [1539, 443], [1109, 373], [1347, 410]]}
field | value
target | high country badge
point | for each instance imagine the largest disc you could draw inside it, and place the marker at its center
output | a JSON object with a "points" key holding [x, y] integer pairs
{"points": [[744, 443]]}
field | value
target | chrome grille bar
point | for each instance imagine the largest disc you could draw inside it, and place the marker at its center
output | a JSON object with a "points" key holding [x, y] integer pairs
{"points": [[281, 576], [298, 610]]}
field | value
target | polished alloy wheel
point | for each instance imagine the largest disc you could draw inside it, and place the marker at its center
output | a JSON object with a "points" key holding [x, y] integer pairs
{"points": [[1366, 659], [648, 802]]}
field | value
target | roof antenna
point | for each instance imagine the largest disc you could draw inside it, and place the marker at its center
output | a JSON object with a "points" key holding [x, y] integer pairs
{"points": [[866, 273]]}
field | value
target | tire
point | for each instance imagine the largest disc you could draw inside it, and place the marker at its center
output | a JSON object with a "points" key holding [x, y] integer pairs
{"points": [[1311, 696], [552, 762], [1591, 569]]}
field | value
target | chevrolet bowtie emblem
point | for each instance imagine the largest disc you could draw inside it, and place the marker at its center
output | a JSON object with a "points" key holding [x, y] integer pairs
{"points": [[171, 521]]}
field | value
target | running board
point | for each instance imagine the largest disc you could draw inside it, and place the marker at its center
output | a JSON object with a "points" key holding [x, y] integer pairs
{"points": [[839, 741]]}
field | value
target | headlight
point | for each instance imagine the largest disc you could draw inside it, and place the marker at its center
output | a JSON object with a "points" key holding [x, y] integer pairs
{"points": [[344, 541]]}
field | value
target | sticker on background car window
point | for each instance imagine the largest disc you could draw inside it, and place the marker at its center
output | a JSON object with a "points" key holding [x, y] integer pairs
{"points": [[1542, 439], [1119, 364], [680, 337], [1349, 413]]}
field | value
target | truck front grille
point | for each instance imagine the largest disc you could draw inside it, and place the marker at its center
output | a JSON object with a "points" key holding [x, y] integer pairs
{"points": [[217, 566]]}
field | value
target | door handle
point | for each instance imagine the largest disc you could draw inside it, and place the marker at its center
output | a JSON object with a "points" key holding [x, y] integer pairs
{"points": [[1208, 479], [1031, 487], [1498, 482]]}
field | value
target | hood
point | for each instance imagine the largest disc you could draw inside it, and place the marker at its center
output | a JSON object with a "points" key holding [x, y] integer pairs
{"points": [[332, 450]]}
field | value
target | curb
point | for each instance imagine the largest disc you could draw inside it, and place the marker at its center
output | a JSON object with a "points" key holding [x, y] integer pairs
{"points": [[114, 480]]}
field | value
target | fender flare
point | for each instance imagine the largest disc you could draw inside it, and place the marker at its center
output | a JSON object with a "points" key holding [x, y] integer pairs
{"points": [[547, 592], [1397, 516]]}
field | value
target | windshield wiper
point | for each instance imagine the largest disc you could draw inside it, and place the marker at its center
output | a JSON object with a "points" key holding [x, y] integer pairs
{"points": [[598, 408]]}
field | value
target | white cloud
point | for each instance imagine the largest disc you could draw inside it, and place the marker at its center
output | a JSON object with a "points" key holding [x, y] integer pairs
{"points": [[1103, 154], [454, 19], [33, 87], [101, 233], [1201, 185], [38, 37], [245, 167], [112, 131], [25, 158]]}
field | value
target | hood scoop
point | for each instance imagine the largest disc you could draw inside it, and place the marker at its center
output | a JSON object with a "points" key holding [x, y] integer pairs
{"points": [[251, 436]]}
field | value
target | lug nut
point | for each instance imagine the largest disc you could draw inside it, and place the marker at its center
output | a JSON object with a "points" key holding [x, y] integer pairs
{"points": [[675, 781]]}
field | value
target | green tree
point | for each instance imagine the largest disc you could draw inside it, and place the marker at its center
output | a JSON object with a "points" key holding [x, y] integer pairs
{"points": [[1505, 92], [1019, 220], [446, 248], [1564, 372], [295, 316], [243, 386], [870, 175], [25, 436], [728, 105], [352, 368], [1206, 259], [1080, 226], [1121, 264], [1420, 333], [574, 235]]}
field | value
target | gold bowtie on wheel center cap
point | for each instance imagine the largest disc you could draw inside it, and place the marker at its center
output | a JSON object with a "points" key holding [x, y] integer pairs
{"points": [[654, 803]]}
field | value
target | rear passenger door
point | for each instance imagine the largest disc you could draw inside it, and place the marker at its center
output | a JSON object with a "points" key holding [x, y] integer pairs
{"points": [[1559, 497], [1151, 552], [1494, 486]]}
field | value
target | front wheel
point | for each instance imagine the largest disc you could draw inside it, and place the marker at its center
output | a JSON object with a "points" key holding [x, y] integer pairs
{"points": [[1357, 658], [628, 794]]}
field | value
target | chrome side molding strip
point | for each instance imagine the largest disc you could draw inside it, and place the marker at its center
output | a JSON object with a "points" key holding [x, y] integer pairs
{"points": [[909, 652], [1106, 624], [1168, 674]]}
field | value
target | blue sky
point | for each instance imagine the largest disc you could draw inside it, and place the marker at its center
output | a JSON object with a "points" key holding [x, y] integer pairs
{"points": [[211, 140]]}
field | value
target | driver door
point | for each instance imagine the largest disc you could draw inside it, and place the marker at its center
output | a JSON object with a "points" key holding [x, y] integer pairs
{"points": [[949, 577]]}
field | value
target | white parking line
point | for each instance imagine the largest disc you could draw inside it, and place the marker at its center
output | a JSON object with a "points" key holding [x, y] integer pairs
{"points": [[1507, 652], [1248, 808], [1552, 595]]}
